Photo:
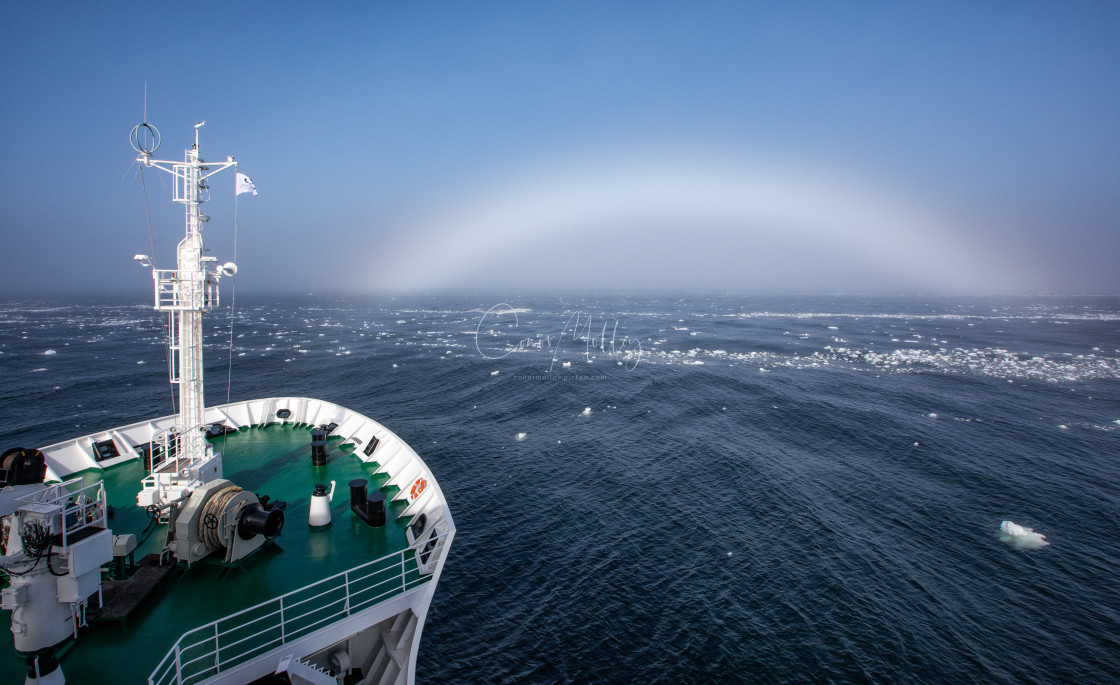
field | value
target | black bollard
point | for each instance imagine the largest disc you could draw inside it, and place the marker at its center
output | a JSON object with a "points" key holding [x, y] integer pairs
{"points": [[318, 447]]}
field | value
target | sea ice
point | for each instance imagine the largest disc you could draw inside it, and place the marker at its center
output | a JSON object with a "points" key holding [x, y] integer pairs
{"points": [[1019, 536], [520, 437], [586, 411]]}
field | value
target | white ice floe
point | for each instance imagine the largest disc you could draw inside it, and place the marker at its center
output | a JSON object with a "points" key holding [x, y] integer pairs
{"points": [[1014, 534], [492, 373], [49, 352], [520, 437], [586, 411]]}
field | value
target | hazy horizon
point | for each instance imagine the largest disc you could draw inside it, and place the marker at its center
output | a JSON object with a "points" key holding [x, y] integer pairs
{"points": [[932, 148]]}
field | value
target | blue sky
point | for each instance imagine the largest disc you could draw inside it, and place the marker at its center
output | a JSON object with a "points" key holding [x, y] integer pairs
{"points": [[734, 146]]}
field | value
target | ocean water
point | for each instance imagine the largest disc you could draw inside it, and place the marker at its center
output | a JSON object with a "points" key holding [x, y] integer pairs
{"points": [[692, 489]]}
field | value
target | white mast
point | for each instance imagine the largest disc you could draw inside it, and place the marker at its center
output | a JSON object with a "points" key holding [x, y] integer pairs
{"points": [[185, 294]]}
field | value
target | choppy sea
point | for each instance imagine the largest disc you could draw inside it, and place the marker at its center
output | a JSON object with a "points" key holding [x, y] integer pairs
{"points": [[692, 489]]}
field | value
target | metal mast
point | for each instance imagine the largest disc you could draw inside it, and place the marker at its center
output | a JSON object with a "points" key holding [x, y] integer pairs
{"points": [[185, 294]]}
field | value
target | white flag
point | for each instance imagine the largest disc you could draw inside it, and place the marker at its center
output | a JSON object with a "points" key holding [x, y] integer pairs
{"points": [[245, 184]]}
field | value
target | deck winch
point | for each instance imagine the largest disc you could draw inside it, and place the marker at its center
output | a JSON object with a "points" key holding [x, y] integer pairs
{"points": [[21, 466], [220, 515]]}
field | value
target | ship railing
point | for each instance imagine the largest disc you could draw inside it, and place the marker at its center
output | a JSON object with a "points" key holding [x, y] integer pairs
{"points": [[76, 506], [238, 638]]}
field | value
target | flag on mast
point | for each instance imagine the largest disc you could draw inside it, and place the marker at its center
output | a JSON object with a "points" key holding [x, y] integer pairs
{"points": [[245, 184]]}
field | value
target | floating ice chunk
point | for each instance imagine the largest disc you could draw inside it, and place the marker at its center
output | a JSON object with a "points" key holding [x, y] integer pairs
{"points": [[37, 370], [140, 362], [932, 415], [49, 352], [567, 364], [492, 373], [1013, 533], [586, 411], [520, 437]]}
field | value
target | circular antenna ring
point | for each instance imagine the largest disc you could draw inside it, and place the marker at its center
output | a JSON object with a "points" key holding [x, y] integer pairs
{"points": [[144, 138]]}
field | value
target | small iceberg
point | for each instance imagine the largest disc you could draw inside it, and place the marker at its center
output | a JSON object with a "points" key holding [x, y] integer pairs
{"points": [[586, 411], [520, 437], [1014, 534]]}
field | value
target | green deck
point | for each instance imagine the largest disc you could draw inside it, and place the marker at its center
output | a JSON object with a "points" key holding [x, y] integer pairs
{"points": [[274, 461]]}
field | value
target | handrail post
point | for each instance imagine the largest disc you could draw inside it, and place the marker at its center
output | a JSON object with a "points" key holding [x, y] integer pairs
{"points": [[403, 585], [217, 658], [283, 630], [346, 585], [178, 666]]}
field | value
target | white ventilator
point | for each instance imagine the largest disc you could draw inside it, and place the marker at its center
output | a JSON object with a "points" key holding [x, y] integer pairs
{"points": [[320, 513]]}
